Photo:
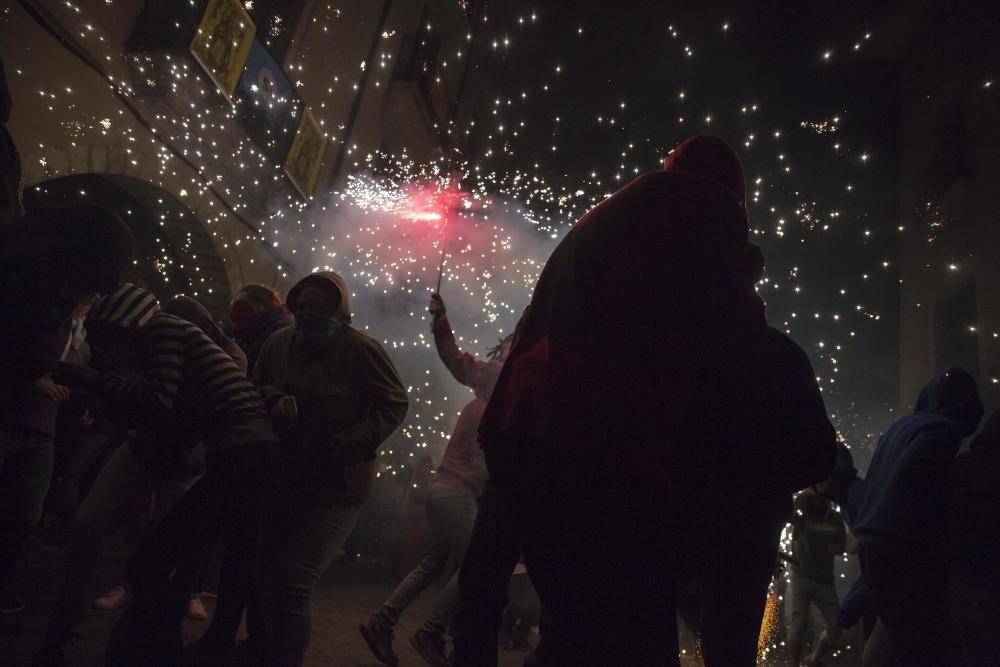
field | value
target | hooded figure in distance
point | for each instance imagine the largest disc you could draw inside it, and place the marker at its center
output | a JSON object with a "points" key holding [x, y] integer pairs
{"points": [[902, 526], [256, 313]]}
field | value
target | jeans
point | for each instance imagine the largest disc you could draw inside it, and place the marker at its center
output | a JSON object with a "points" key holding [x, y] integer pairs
{"points": [[483, 580], [149, 632], [602, 552], [801, 595], [25, 473], [450, 519], [910, 587], [122, 482], [296, 546]]}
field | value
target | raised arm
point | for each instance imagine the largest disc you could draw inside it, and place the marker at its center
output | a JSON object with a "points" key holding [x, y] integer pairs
{"points": [[462, 365]]}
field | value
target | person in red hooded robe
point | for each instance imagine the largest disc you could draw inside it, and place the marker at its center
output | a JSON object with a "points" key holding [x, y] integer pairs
{"points": [[636, 399]]}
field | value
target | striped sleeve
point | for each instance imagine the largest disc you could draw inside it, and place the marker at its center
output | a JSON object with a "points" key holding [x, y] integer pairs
{"points": [[153, 394], [186, 377]]}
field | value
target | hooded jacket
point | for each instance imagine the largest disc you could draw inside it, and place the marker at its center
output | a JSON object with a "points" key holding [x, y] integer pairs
{"points": [[904, 500], [190, 310], [188, 388], [349, 400], [639, 311], [463, 465]]}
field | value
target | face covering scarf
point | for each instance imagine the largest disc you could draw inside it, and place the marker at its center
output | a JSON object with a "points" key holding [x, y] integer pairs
{"points": [[244, 318], [315, 331]]}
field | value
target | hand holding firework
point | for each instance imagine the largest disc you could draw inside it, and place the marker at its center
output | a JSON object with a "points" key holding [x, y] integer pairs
{"points": [[436, 307]]}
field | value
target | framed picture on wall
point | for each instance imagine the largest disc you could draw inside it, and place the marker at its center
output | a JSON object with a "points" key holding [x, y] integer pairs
{"points": [[222, 42], [306, 155]]}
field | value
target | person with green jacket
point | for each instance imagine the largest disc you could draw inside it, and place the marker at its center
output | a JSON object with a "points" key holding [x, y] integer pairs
{"points": [[335, 397]]}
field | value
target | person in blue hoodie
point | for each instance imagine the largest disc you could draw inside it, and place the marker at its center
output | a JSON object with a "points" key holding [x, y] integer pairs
{"points": [[846, 489], [902, 519]]}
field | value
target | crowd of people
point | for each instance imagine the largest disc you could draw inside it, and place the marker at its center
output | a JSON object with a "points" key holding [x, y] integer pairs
{"points": [[634, 448]]}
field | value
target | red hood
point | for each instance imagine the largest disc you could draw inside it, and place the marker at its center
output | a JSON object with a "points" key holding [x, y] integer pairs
{"points": [[710, 157], [646, 297]]}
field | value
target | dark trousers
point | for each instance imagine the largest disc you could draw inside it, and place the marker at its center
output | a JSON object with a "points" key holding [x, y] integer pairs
{"points": [[209, 567], [493, 552], [149, 631], [910, 587], [237, 588], [732, 582], [523, 611], [122, 482], [974, 588], [25, 472], [600, 550]]}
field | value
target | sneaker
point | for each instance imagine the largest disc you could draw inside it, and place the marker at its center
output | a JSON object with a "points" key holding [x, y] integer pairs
{"points": [[378, 636], [432, 647], [196, 610], [116, 598], [56, 652], [11, 606]]}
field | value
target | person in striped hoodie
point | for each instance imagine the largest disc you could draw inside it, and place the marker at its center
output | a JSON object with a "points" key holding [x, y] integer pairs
{"points": [[137, 471], [189, 390]]}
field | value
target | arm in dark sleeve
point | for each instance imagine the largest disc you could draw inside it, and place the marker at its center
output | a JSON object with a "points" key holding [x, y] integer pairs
{"points": [[805, 440], [463, 366], [857, 603], [387, 405]]}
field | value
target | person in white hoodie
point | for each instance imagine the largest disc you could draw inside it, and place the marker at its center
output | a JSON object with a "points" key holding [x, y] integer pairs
{"points": [[452, 504]]}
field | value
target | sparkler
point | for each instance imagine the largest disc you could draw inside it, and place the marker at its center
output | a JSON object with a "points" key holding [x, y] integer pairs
{"points": [[444, 248], [454, 200]]}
